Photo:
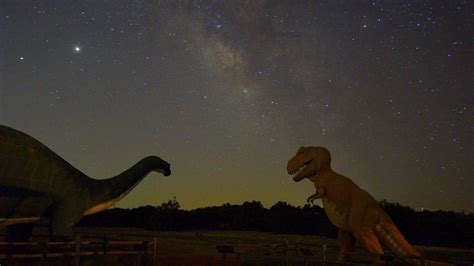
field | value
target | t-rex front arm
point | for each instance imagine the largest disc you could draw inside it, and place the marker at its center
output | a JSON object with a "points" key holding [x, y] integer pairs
{"points": [[320, 192]]}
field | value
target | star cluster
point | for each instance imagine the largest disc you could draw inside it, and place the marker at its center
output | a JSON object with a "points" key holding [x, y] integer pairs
{"points": [[227, 91]]}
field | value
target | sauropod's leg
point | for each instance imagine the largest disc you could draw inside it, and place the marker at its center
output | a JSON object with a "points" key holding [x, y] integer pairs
{"points": [[26, 211], [346, 241], [64, 216]]}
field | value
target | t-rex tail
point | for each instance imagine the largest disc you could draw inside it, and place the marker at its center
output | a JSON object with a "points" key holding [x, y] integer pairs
{"points": [[391, 237]]}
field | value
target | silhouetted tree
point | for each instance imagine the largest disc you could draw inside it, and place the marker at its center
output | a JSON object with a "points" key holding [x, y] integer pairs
{"points": [[440, 228], [170, 205]]}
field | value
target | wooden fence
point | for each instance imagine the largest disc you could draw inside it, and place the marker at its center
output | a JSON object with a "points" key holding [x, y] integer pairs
{"points": [[322, 255], [77, 249]]}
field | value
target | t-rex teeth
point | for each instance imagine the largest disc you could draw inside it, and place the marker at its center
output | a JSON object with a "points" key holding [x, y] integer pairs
{"points": [[295, 171], [360, 212]]}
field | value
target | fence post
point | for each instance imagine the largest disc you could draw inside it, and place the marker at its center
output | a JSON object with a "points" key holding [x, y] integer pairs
{"points": [[78, 250], [224, 250], [105, 249], [139, 259], [240, 251], [324, 254], [44, 251], [297, 246], [155, 246]]}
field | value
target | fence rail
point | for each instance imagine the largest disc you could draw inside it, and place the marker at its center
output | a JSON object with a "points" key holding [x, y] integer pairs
{"points": [[77, 249], [284, 251], [321, 254]]}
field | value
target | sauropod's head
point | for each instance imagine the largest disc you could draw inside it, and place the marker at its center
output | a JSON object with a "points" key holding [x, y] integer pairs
{"points": [[308, 162], [162, 166]]}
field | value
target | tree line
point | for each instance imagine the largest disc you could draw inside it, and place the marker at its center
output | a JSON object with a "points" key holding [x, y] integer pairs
{"points": [[434, 228]]}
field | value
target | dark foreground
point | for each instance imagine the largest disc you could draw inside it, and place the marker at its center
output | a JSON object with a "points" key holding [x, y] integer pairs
{"points": [[250, 248]]}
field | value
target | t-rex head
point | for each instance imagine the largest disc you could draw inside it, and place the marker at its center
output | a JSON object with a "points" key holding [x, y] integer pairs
{"points": [[308, 162]]}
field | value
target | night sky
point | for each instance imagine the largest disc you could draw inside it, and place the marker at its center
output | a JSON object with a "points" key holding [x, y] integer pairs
{"points": [[227, 91]]}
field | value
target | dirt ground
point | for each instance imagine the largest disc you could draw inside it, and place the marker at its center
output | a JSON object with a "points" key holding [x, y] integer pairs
{"points": [[247, 248]]}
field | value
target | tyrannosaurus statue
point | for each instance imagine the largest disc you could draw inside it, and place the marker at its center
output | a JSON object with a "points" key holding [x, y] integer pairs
{"points": [[35, 182], [351, 209]]}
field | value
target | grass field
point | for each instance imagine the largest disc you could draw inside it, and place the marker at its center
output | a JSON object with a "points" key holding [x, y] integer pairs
{"points": [[251, 248]]}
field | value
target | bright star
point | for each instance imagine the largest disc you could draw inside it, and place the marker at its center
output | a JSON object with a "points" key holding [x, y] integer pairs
{"points": [[77, 49]]}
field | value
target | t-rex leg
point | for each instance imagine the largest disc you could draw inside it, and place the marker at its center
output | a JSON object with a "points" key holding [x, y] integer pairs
{"points": [[346, 241], [368, 240]]}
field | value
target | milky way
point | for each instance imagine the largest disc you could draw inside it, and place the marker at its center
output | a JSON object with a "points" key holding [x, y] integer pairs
{"points": [[228, 90]]}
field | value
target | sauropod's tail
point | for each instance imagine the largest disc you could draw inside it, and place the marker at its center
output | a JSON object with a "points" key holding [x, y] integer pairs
{"points": [[391, 237]]}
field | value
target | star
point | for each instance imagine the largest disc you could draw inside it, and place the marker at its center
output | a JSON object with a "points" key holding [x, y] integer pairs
{"points": [[259, 73]]}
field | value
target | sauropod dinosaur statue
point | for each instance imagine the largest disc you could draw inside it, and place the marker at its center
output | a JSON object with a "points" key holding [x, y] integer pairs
{"points": [[351, 209], [35, 182]]}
